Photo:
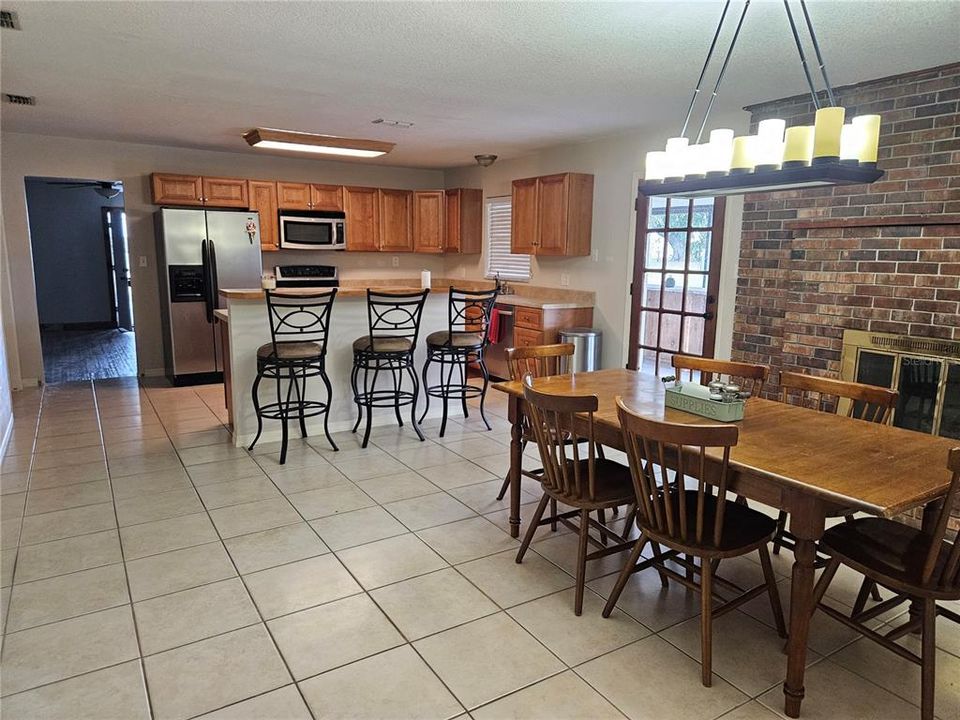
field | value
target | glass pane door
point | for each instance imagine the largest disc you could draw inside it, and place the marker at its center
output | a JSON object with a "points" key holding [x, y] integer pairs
{"points": [[676, 276]]}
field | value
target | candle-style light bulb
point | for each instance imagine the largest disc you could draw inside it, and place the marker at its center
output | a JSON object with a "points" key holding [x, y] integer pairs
{"points": [[798, 146], [870, 139], [655, 166], [769, 144], [851, 139], [719, 152], [826, 135], [743, 160], [676, 158]]}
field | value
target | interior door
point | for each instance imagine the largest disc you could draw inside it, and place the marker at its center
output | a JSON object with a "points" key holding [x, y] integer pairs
{"points": [[115, 231], [676, 278]]}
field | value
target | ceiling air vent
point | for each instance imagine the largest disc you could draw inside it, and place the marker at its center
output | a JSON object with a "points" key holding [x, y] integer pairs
{"points": [[20, 99], [9, 20]]}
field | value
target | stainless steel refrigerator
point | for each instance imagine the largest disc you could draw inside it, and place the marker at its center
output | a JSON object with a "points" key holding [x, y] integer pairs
{"points": [[200, 251]]}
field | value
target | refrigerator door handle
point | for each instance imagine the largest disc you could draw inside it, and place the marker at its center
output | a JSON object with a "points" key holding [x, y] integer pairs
{"points": [[205, 263], [214, 290]]}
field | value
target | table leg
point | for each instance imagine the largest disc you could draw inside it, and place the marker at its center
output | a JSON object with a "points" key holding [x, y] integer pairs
{"points": [[516, 459], [807, 525]]}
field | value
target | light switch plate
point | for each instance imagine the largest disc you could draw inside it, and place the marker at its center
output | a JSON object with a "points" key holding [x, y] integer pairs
{"points": [[565, 279], [143, 261]]}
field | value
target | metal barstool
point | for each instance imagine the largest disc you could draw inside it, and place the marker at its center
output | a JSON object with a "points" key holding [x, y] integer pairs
{"points": [[464, 341], [394, 325], [299, 328]]}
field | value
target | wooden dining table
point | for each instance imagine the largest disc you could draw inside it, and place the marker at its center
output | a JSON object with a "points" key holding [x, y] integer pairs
{"points": [[811, 464]]}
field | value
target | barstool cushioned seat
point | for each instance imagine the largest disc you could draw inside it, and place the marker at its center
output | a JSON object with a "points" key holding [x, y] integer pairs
{"points": [[382, 344], [290, 351], [460, 339]]}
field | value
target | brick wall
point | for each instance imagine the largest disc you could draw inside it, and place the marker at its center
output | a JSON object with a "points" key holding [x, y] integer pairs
{"points": [[798, 288]]}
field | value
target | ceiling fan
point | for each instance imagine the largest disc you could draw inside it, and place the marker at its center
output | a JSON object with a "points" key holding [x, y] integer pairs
{"points": [[105, 188]]}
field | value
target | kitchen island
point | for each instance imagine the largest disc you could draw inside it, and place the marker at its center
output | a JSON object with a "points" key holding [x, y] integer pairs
{"points": [[245, 327]]}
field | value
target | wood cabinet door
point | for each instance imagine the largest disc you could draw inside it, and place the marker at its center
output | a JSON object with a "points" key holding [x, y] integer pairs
{"points": [[263, 198], [451, 221], [464, 221], [169, 189], [326, 197], [523, 217], [428, 225], [553, 196], [225, 192], [396, 220], [523, 337], [293, 196], [362, 208]]}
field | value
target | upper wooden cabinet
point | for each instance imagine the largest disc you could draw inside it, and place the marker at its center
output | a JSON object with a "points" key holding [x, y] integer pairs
{"points": [[552, 215], [263, 198], [396, 220], [307, 196], [362, 208], [170, 189], [176, 189], [428, 221], [225, 192], [463, 221]]}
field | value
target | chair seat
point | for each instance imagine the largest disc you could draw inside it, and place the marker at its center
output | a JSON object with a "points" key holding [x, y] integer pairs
{"points": [[614, 485], [891, 553], [290, 351], [743, 529], [441, 338], [382, 344]]}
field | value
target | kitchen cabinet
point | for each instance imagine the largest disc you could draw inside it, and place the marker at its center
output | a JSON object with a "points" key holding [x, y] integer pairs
{"points": [[463, 221], [362, 208], [308, 196], [529, 325], [396, 220], [552, 215], [171, 189], [263, 198], [428, 221], [225, 192]]}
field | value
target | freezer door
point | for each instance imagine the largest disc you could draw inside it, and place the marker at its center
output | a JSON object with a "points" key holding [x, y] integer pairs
{"points": [[236, 245], [183, 231]]}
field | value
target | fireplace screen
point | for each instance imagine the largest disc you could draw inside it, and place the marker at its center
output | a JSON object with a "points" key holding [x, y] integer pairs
{"points": [[926, 373]]}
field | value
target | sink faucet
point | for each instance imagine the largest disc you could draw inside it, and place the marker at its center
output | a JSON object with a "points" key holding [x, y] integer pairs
{"points": [[502, 287]]}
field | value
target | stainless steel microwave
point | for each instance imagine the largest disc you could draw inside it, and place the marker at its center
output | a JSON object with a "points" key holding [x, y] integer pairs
{"points": [[312, 230]]}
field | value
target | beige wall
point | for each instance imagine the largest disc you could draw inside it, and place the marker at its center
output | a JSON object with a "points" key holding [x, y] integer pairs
{"points": [[616, 163], [25, 155], [6, 372]]}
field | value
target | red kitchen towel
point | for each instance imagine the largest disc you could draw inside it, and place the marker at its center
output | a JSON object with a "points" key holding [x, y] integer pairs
{"points": [[493, 332]]}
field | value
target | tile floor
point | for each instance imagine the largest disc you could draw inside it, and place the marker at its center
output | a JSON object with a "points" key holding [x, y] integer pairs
{"points": [[151, 569]]}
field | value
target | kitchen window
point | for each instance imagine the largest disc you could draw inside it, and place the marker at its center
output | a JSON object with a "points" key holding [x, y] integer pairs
{"points": [[499, 258]]}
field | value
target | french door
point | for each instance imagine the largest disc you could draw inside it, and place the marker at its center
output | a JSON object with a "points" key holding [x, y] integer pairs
{"points": [[676, 279]]}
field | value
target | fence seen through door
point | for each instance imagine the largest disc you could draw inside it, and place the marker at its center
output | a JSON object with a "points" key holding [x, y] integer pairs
{"points": [[676, 279]]}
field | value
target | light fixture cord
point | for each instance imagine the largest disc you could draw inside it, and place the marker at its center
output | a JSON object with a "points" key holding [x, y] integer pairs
{"points": [[803, 57], [723, 69], [703, 71], [816, 49]]}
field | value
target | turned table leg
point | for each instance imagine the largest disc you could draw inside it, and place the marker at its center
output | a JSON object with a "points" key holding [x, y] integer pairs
{"points": [[516, 459], [807, 525]]}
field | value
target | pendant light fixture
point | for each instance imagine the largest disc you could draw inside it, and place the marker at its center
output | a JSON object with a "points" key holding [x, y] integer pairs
{"points": [[829, 152]]}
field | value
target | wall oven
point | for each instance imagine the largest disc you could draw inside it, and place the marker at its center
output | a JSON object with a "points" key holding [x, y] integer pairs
{"points": [[312, 230]]}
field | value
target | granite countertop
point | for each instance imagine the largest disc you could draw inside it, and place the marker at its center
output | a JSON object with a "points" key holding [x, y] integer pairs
{"points": [[521, 301]]}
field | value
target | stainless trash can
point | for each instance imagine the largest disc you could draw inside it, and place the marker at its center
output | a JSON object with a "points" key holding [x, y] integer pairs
{"points": [[586, 349]]}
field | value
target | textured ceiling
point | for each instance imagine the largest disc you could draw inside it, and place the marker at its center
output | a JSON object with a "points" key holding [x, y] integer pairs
{"points": [[503, 78]]}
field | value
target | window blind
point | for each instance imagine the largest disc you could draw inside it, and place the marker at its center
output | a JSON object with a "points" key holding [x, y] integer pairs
{"points": [[499, 258]]}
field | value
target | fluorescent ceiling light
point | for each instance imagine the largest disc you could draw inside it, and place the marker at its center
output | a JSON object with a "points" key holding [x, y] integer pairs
{"points": [[270, 139]]}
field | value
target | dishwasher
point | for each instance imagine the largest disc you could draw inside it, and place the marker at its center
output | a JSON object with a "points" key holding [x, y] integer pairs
{"points": [[496, 354]]}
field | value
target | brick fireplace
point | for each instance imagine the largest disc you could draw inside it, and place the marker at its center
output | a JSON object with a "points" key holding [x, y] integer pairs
{"points": [[883, 258]]}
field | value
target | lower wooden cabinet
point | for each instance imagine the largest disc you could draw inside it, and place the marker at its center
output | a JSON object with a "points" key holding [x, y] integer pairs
{"points": [[396, 220], [428, 226], [524, 337], [362, 208], [263, 198]]}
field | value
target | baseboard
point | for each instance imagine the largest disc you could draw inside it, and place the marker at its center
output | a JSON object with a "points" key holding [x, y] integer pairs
{"points": [[153, 372]]}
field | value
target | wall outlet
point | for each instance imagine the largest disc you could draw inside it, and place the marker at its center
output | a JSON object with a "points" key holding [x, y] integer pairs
{"points": [[395, 260], [565, 279], [596, 255], [143, 261], [463, 271]]}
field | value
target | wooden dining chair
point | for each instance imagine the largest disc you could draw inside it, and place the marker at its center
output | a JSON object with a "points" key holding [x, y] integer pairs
{"points": [[536, 361], [918, 565], [751, 377], [693, 523], [866, 402], [587, 484]]}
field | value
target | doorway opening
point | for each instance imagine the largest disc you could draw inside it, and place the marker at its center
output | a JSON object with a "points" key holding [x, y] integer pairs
{"points": [[81, 267], [676, 280]]}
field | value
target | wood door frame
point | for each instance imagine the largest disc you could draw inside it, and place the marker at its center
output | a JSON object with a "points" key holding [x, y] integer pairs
{"points": [[111, 259], [641, 230]]}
